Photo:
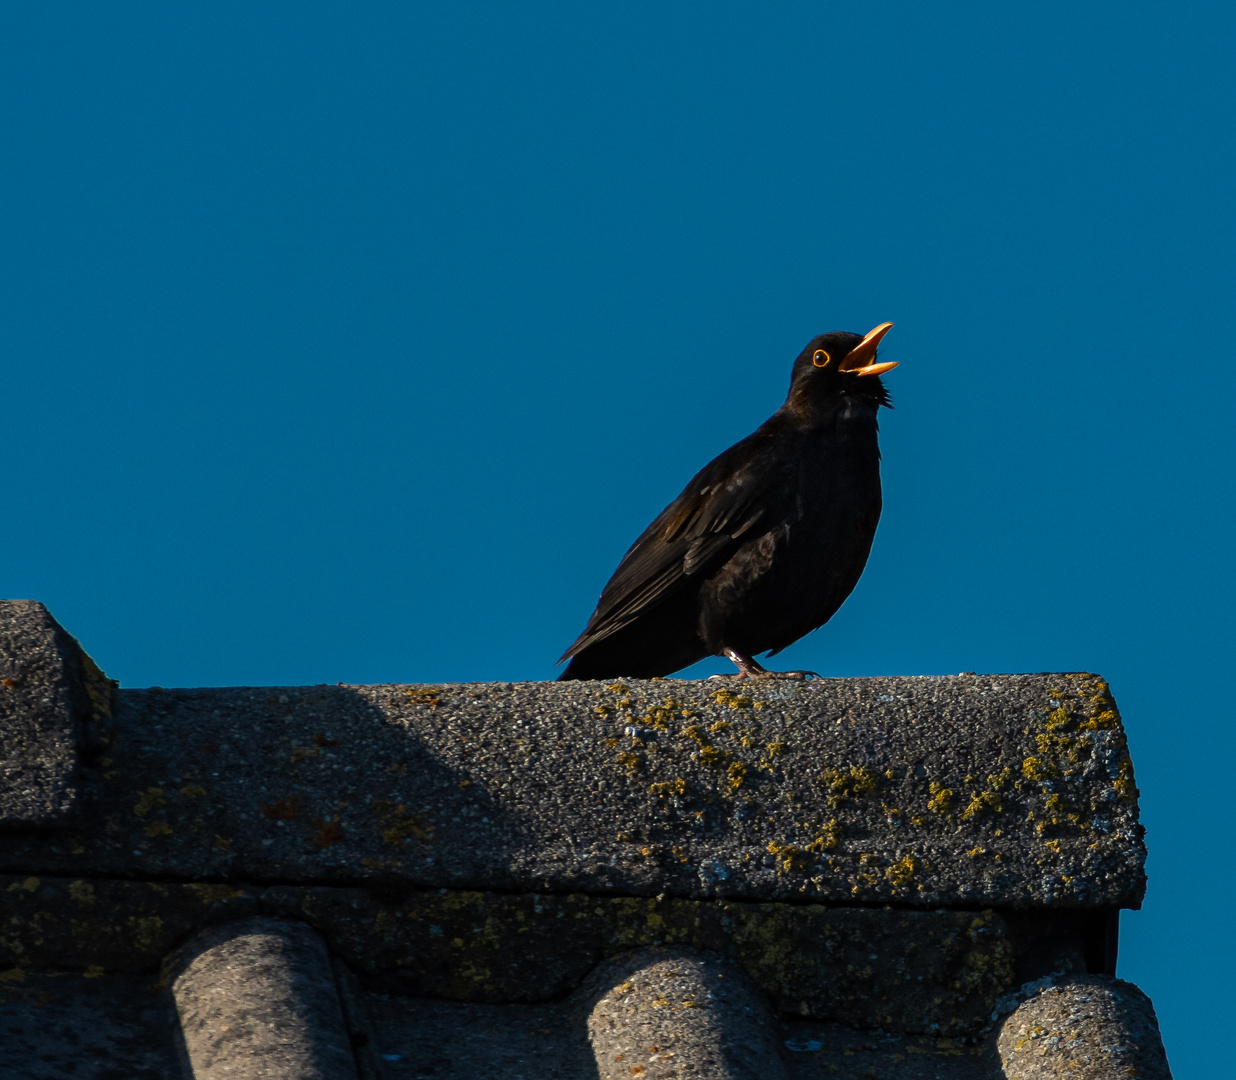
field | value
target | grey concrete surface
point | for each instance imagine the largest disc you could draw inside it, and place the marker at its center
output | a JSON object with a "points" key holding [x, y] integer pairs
{"points": [[968, 790], [1085, 1028], [682, 1013], [74, 1025], [329, 864], [424, 1039], [256, 1000], [903, 970], [49, 688], [811, 1051], [66, 1026]]}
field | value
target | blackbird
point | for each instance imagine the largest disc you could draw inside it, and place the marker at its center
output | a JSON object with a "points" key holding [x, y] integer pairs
{"points": [[766, 541]]}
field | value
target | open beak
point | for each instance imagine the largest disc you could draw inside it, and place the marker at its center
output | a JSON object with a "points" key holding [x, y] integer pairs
{"points": [[859, 360]]}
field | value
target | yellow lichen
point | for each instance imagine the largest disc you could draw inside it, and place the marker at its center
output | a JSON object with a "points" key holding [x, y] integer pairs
{"points": [[789, 858], [941, 798], [149, 799], [398, 826], [852, 783], [902, 871], [659, 716], [1034, 768], [981, 801], [1103, 721], [209, 893], [1123, 783], [997, 780], [147, 932]]}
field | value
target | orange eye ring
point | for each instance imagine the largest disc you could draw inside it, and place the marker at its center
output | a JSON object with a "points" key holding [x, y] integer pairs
{"points": [[821, 358]]}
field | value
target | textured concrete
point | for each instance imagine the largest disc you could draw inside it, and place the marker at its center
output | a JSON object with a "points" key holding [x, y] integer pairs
{"points": [[49, 689], [257, 1001], [1014, 790], [1088, 1028], [680, 1013], [812, 1051], [61, 1025], [918, 971], [423, 1039], [882, 860]]}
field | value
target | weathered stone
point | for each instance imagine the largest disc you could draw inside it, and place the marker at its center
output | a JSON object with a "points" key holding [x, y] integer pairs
{"points": [[1088, 1028], [447, 1040], [60, 1025], [257, 1001], [660, 1013], [358, 1019], [48, 688], [842, 844], [902, 970], [1014, 790], [107, 925], [834, 1050]]}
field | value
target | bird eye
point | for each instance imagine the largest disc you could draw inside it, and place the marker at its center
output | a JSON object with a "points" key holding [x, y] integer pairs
{"points": [[821, 358]]}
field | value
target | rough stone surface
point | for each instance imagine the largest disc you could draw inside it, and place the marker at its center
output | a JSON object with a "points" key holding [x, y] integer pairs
{"points": [[58, 1025], [680, 1013], [49, 688], [1014, 790], [423, 1039], [812, 1051], [902, 970], [257, 1001], [118, 926], [61, 1025], [1089, 1028], [839, 846], [358, 1020]]}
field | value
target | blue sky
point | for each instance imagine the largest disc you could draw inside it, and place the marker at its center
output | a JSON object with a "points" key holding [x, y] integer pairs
{"points": [[359, 344]]}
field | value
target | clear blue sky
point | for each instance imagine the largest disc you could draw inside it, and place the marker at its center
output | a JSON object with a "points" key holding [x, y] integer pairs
{"points": [[358, 342]]}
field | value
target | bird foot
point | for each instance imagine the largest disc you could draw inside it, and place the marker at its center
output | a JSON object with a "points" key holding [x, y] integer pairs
{"points": [[752, 669]]}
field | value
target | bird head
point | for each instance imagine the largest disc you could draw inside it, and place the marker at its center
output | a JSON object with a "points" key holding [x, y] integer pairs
{"points": [[839, 364]]}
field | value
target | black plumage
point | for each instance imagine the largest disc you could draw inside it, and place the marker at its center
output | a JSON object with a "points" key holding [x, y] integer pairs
{"points": [[766, 541]]}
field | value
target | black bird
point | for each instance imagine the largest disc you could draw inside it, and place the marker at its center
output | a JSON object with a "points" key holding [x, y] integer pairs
{"points": [[767, 540]]}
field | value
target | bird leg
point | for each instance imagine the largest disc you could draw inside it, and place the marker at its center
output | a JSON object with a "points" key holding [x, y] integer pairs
{"points": [[749, 668]]}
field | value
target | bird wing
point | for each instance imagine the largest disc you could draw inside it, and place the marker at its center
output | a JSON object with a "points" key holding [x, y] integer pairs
{"points": [[699, 530]]}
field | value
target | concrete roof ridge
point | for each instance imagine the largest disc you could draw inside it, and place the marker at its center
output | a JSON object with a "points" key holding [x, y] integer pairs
{"points": [[895, 853], [973, 790]]}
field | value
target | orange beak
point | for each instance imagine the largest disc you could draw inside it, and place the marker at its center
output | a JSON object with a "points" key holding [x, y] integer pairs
{"points": [[858, 362]]}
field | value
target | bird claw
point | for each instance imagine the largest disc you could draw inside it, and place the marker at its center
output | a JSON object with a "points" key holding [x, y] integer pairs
{"points": [[795, 676], [749, 668]]}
